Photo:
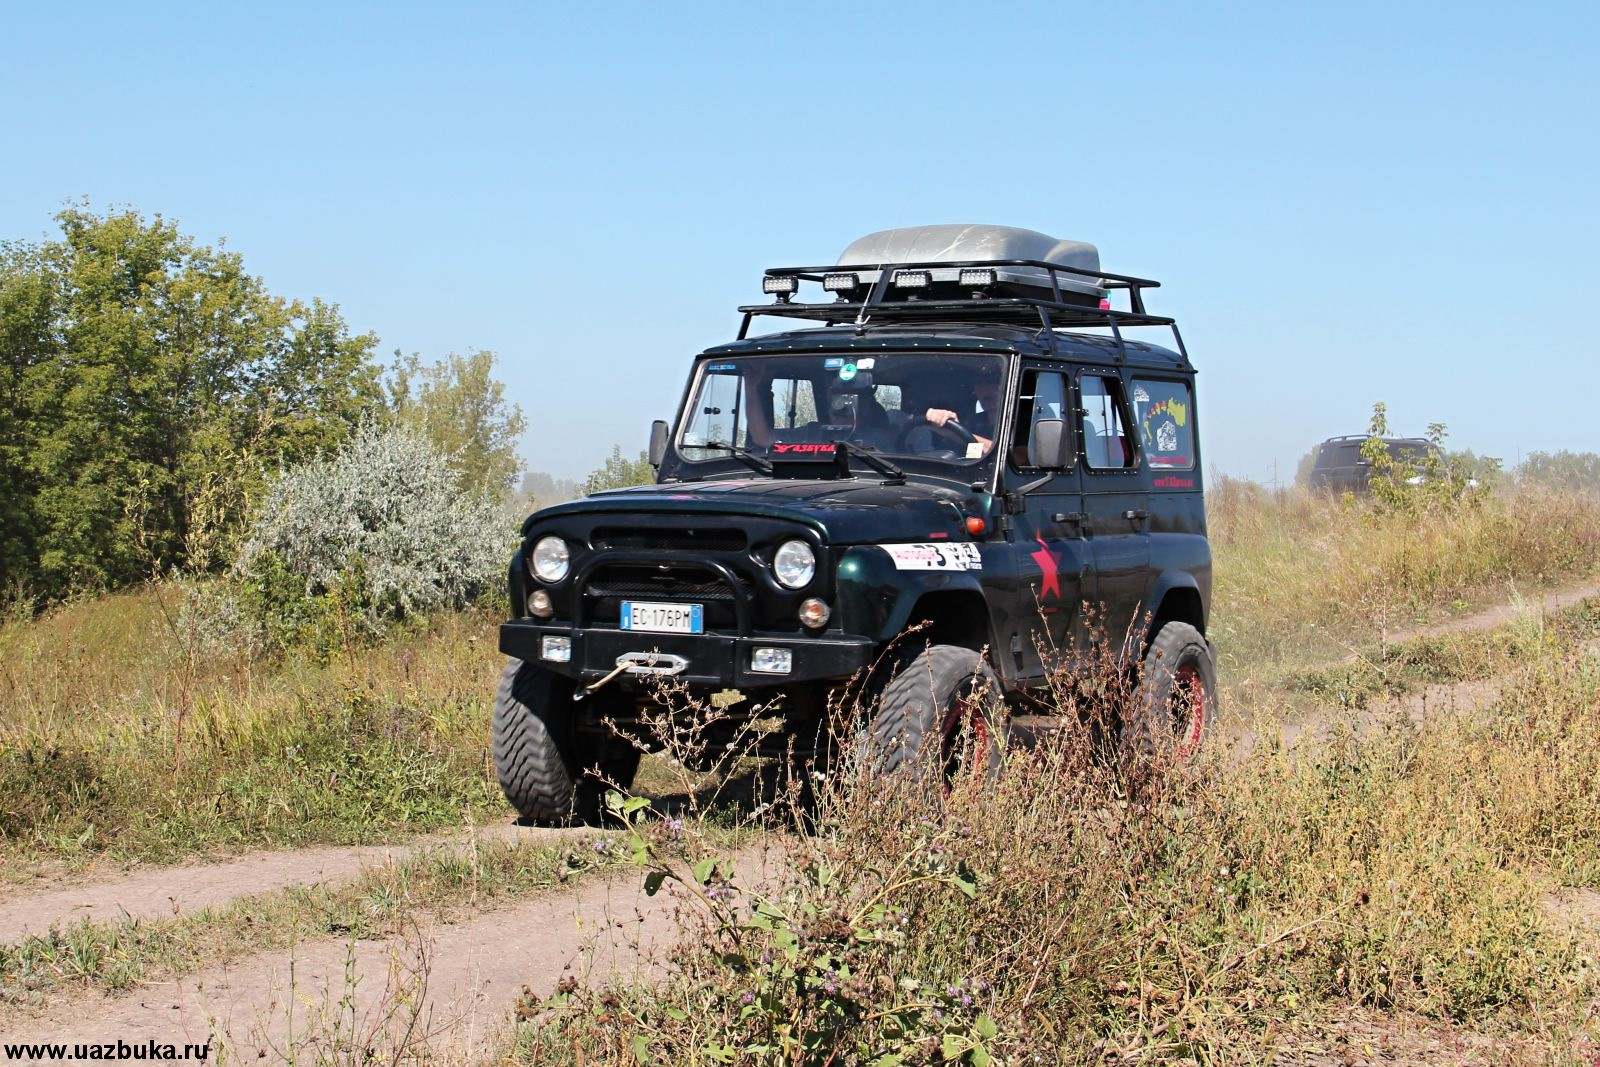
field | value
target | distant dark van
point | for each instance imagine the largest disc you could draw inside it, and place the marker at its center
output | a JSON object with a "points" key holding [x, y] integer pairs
{"points": [[1340, 467]]}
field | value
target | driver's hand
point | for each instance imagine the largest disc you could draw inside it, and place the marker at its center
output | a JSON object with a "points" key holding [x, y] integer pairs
{"points": [[939, 416]]}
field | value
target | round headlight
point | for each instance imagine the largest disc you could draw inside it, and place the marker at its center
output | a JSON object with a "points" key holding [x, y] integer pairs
{"points": [[550, 559], [795, 564]]}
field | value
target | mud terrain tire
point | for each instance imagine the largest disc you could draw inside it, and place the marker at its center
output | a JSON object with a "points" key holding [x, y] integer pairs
{"points": [[547, 770], [942, 711], [1176, 699]]}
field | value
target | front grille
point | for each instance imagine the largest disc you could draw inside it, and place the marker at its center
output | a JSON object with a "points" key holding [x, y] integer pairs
{"points": [[643, 581], [690, 540]]}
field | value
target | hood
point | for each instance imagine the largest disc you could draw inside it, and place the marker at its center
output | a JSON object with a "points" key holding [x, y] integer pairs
{"points": [[845, 511]]}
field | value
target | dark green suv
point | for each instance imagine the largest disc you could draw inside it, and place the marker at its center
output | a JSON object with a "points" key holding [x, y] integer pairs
{"points": [[963, 443]]}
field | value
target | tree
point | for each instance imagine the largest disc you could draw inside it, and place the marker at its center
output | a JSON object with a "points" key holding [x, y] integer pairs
{"points": [[618, 472], [149, 383], [1303, 469], [540, 490], [1561, 470], [459, 406]]}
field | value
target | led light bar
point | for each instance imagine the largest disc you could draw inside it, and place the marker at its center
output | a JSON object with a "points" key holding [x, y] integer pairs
{"points": [[782, 285], [912, 279], [839, 283], [977, 278]]}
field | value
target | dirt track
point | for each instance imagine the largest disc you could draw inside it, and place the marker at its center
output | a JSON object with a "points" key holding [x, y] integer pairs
{"points": [[451, 986], [165, 891]]}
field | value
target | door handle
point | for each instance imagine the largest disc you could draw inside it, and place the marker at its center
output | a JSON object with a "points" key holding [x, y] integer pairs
{"points": [[1068, 516], [1136, 514]]}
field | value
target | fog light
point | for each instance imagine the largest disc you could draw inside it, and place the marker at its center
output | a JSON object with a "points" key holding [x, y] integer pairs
{"points": [[814, 613], [555, 649], [771, 660], [539, 603]]}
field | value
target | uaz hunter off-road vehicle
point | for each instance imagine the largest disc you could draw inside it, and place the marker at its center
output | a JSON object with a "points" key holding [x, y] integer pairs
{"points": [[937, 455]]}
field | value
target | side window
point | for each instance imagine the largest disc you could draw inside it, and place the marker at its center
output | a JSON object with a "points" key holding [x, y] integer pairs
{"points": [[794, 403], [717, 420], [1106, 444], [1165, 417], [1042, 395]]}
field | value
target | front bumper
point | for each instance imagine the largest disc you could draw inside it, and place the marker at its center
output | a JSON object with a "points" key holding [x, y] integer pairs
{"points": [[713, 659]]}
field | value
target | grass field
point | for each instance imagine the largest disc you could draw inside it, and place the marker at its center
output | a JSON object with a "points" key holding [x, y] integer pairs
{"points": [[1406, 869]]}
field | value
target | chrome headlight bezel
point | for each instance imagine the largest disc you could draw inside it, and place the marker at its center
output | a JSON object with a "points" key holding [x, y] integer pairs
{"points": [[794, 565], [550, 559]]}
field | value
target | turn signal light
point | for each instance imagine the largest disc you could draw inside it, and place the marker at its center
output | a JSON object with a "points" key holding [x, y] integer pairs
{"points": [[815, 613], [976, 525]]}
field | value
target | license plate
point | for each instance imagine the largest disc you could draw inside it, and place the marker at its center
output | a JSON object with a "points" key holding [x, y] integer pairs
{"points": [[663, 618]]}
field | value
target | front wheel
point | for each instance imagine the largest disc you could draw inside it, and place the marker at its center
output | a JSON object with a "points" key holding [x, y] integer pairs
{"points": [[1176, 699], [551, 772], [941, 717]]}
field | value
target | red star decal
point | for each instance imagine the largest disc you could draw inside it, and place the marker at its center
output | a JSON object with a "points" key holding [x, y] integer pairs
{"points": [[1047, 567]]}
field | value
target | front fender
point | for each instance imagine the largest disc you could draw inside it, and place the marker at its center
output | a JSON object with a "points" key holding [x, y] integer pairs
{"points": [[876, 598]]}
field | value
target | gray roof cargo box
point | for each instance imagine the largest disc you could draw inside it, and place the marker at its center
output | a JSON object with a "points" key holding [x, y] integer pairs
{"points": [[958, 243]]}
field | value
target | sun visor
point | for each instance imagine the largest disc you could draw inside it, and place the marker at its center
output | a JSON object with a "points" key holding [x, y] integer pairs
{"points": [[961, 243]]}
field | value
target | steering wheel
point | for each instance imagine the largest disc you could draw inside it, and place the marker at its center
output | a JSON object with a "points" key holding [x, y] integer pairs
{"points": [[923, 437], [962, 434]]}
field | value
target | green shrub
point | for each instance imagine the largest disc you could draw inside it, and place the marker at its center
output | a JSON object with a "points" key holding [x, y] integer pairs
{"points": [[377, 532]]}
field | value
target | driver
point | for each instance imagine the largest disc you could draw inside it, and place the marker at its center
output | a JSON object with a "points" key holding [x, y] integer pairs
{"points": [[981, 425]]}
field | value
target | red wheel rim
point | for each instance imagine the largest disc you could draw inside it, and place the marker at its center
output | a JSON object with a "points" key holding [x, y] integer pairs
{"points": [[1188, 709], [968, 710]]}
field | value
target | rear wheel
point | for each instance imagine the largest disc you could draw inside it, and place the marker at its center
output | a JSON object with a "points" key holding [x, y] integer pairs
{"points": [[940, 718], [550, 771], [1176, 700]]}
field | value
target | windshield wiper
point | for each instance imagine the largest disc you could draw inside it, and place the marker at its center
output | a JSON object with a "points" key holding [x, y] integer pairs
{"points": [[742, 454], [871, 458]]}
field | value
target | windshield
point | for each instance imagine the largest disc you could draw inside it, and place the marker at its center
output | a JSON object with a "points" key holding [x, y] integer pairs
{"points": [[941, 409]]}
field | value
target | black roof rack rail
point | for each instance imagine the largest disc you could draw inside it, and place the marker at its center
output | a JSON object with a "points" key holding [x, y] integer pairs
{"points": [[1048, 310]]}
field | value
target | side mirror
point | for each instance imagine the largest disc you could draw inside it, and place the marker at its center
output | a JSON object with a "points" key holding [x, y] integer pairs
{"points": [[1049, 445], [658, 443]]}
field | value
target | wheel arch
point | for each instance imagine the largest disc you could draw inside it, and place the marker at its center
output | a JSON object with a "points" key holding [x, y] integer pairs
{"points": [[952, 617], [1177, 598]]}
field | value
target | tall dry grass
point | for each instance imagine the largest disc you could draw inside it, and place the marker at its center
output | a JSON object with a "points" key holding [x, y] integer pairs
{"points": [[123, 735], [1053, 918], [1303, 577]]}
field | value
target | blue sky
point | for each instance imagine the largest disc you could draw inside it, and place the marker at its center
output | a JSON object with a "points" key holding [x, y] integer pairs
{"points": [[1345, 203]]}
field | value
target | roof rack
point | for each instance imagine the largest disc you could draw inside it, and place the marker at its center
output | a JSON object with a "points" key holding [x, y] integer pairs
{"points": [[882, 302]]}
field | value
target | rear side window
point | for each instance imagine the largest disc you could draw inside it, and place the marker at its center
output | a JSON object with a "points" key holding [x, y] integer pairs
{"points": [[1106, 444], [1164, 414]]}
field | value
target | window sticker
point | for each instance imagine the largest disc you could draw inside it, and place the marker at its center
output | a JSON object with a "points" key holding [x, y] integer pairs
{"points": [[847, 372], [935, 557], [1165, 423], [722, 367], [866, 364], [833, 363]]}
